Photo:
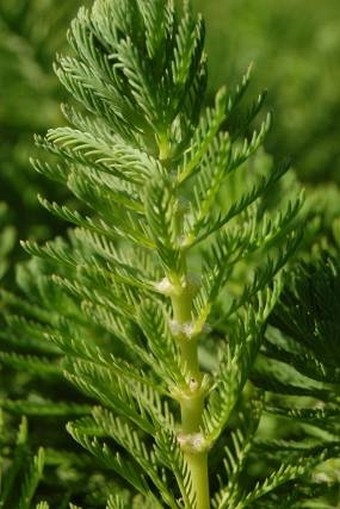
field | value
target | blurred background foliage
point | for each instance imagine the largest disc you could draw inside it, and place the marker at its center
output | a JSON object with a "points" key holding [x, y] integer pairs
{"points": [[31, 32], [295, 46]]}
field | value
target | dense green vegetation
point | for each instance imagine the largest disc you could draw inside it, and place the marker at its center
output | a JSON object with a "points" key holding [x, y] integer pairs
{"points": [[231, 376]]}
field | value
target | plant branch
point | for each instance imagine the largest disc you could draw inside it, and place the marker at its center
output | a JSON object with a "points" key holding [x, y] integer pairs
{"points": [[191, 399]]}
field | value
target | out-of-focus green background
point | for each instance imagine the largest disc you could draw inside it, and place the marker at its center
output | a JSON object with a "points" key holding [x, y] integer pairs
{"points": [[31, 32], [295, 46]]}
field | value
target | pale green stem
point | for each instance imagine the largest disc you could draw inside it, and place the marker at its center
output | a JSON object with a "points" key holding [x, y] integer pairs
{"points": [[198, 464], [192, 403]]}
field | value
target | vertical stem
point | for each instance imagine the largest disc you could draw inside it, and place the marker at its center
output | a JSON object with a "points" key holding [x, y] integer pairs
{"points": [[192, 402], [198, 464]]}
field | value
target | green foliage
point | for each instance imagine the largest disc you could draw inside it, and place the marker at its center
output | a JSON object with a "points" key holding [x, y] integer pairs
{"points": [[7, 239], [22, 469], [299, 367], [305, 334], [154, 306]]}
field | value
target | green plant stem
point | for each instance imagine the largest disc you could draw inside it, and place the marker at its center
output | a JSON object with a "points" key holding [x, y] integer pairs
{"points": [[192, 402], [198, 465]]}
